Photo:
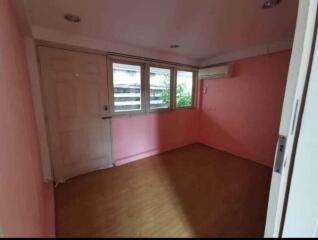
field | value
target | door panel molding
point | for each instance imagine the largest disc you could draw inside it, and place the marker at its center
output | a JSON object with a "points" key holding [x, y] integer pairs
{"points": [[74, 86]]}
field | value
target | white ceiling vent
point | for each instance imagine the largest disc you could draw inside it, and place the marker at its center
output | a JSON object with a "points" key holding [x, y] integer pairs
{"points": [[220, 71]]}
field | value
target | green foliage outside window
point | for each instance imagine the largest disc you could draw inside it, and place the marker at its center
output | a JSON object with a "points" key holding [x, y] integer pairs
{"points": [[183, 98], [165, 94]]}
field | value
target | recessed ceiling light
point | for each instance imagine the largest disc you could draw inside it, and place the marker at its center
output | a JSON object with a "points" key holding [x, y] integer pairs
{"points": [[72, 18], [174, 46], [270, 3]]}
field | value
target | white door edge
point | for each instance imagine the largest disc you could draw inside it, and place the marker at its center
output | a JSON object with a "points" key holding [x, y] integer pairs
{"points": [[302, 48]]}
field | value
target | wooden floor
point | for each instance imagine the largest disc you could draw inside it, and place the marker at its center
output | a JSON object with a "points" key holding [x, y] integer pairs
{"points": [[188, 192]]}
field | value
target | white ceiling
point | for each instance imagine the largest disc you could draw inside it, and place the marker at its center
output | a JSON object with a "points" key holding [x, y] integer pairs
{"points": [[202, 28]]}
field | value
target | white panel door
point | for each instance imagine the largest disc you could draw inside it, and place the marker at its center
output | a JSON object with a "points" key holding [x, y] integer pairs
{"points": [[302, 210], [293, 95], [76, 102]]}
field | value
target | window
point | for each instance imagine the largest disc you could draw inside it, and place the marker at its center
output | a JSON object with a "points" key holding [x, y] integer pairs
{"points": [[140, 86], [159, 92], [184, 89], [126, 87]]}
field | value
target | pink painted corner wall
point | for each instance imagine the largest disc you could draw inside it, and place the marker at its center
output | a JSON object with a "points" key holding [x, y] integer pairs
{"points": [[141, 136], [241, 114], [26, 203]]}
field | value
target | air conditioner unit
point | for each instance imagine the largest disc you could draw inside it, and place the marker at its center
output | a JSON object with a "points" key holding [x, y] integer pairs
{"points": [[220, 71]]}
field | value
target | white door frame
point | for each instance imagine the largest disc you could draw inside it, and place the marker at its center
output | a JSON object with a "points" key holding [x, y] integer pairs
{"points": [[300, 209], [298, 69], [34, 71], [35, 79]]}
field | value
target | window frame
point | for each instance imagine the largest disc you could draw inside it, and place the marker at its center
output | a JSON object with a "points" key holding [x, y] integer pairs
{"points": [[194, 88], [111, 86], [154, 65], [145, 84]]}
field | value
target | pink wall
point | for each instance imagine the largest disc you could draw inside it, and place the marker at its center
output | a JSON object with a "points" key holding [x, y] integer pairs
{"points": [[26, 203], [140, 136], [241, 114]]}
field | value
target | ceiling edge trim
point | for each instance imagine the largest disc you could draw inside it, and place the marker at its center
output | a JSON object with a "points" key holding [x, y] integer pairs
{"points": [[50, 35], [247, 53]]}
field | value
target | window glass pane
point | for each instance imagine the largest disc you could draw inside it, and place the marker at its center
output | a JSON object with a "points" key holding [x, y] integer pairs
{"points": [[159, 79], [127, 87], [184, 88]]}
